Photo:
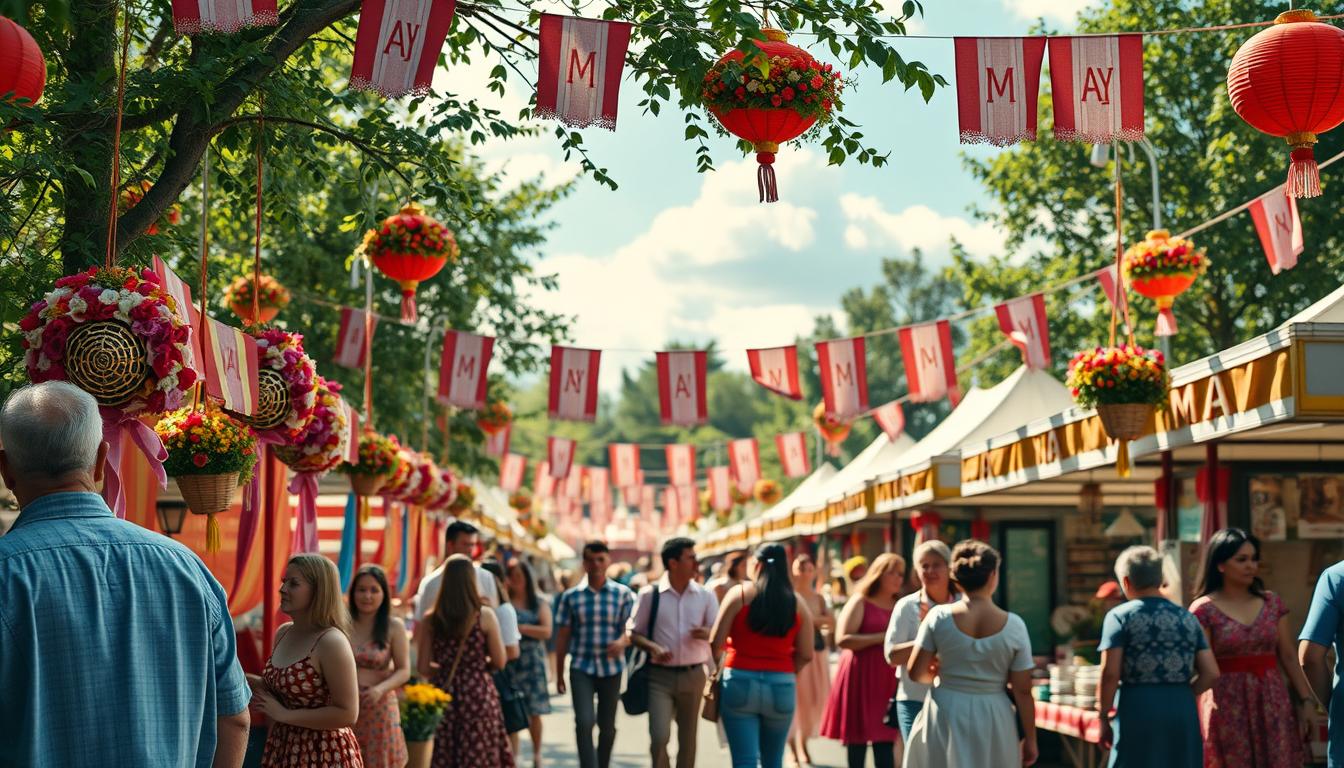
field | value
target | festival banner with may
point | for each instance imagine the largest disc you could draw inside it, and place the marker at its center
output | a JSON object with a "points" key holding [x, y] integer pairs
{"points": [[398, 44], [579, 69]]}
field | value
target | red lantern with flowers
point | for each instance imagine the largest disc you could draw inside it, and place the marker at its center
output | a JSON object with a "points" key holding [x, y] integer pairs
{"points": [[23, 70], [775, 97], [1288, 81], [1161, 268], [833, 430], [410, 247], [495, 418]]}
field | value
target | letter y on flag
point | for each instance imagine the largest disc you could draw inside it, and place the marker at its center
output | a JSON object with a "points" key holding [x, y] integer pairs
{"points": [[398, 45], [1096, 85]]}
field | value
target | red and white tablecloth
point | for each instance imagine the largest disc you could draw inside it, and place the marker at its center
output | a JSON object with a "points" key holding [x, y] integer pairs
{"points": [[1079, 723]]}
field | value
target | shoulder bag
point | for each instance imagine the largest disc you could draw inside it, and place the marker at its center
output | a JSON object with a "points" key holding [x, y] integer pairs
{"points": [[709, 710], [635, 698]]}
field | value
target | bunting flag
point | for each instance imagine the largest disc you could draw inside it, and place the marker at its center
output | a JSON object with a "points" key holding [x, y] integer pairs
{"points": [[1108, 279], [462, 369], [624, 464], [776, 369], [559, 456], [231, 368], [681, 387], [1280, 230], [352, 344], [192, 17], [579, 66], [681, 464], [1022, 320], [511, 470], [1096, 85], [997, 82], [671, 518], [543, 485], [647, 503], [930, 368], [398, 44], [497, 445], [792, 448], [720, 489], [844, 376], [574, 383], [688, 503], [573, 485], [599, 486], [891, 418], [352, 440], [744, 459], [186, 312]]}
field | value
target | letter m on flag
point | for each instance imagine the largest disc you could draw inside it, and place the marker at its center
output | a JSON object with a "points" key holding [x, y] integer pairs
{"points": [[462, 369]]}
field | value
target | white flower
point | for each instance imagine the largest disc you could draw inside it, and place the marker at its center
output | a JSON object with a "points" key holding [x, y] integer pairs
{"points": [[108, 296], [128, 301], [753, 85], [78, 307]]}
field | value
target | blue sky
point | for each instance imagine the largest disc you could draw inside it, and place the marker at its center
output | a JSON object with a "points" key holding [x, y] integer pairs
{"points": [[674, 254]]}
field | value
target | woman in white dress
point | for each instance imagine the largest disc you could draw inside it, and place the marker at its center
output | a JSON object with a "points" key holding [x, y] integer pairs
{"points": [[979, 648]]}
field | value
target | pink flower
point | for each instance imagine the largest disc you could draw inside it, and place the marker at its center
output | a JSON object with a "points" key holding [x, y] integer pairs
{"points": [[157, 400]]}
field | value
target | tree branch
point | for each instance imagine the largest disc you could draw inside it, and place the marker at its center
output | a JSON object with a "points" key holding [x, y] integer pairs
{"points": [[384, 157]]}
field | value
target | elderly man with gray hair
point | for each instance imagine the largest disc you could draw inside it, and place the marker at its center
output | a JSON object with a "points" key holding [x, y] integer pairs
{"points": [[116, 644], [1154, 651]]}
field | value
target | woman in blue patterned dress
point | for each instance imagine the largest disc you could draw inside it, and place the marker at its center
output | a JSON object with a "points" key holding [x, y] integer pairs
{"points": [[529, 669], [1150, 649]]}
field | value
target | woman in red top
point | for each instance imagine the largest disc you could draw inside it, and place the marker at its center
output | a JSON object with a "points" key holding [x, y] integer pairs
{"points": [[767, 631]]}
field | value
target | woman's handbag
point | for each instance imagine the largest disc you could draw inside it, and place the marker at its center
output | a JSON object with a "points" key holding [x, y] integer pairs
{"points": [[713, 690], [892, 719], [512, 702]]}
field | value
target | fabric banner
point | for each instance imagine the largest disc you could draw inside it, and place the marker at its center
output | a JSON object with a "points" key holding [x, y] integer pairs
{"points": [[1108, 279], [891, 418], [574, 383], [1279, 228], [599, 486], [844, 376], [930, 368], [681, 387], [1096, 85], [579, 67], [648, 498], [688, 503], [572, 488], [186, 312], [231, 368], [345, 562], [792, 448], [398, 44], [543, 485], [352, 440], [681, 464], [497, 445], [462, 369], [352, 340], [670, 517], [998, 79], [559, 456], [624, 464], [191, 17], [511, 470], [744, 461], [1023, 321], [720, 489], [776, 369]]}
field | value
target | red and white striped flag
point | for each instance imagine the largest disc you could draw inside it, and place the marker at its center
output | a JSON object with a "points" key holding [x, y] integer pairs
{"points": [[681, 387], [720, 489], [744, 457], [579, 66], [559, 456], [776, 369], [792, 447], [352, 341], [647, 504], [844, 376], [1023, 321], [930, 368], [599, 486], [574, 383], [511, 470], [462, 369], [573, 485], [891, 418], [191, 17], [671, 518], [997, 82], [688, 502], [1108, 280], [498, 443], [1096, 85], [1280, 230], [398, 44], [624, 464], [681, 464], [231, 368], [186, 312], [352, 444], [543, 485]]}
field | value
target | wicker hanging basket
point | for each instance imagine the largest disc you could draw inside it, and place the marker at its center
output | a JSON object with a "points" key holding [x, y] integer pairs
{"points": [[273, 403], [365, 484], [207, 494], [1124, 421], [107, 360]]}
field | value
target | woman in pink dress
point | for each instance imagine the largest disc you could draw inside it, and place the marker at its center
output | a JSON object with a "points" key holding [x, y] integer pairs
{"points": [[863, 683], [1247, 717], [814, 680], [382, 655]]}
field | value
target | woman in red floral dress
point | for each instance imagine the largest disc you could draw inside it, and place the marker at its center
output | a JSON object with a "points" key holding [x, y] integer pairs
{"points": [[458, 646], [311, 699], [1247, 717]]}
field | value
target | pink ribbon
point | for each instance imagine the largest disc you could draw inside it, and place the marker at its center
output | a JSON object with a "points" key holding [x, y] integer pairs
{"points": [[305, 530], [116, 424]]}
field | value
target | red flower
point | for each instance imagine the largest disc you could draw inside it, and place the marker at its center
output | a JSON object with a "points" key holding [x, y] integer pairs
{"points": [[787, 94], [802, 87], [776, 100], [826, 103], [817, 82], [194, 438], [200, 459], [740, 93]]}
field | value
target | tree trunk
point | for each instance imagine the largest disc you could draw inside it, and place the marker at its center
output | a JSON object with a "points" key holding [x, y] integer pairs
{"points": [[90, 58]]}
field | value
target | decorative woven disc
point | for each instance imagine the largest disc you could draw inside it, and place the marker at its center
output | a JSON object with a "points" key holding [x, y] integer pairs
{"points": [[107, 360], [272, 401]]}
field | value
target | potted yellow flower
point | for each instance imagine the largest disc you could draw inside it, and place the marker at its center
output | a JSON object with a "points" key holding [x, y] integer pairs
{"points": [[209, 455], [422, 708]]}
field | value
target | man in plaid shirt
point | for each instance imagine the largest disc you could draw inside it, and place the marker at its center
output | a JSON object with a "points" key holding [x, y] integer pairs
{"points": [[590, 624]]}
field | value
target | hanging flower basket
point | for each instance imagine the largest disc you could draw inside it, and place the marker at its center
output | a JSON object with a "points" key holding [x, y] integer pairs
{"points": [[833, 430], [209, 454], [287, 386], [1161, 268], [465, 500], [448, 491], [319, 446], [495, 418], [410, 247], [767, 492], [1125, 384], [271, 298], [378, 459], [405, 477], [433, 482]]}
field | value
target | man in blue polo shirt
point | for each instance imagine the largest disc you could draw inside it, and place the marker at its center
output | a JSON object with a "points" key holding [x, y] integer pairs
{"points": [[116, 645], [1322, 629]]}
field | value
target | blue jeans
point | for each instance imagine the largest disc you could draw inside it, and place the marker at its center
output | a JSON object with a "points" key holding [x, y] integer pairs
{"points": [[757, 709], [906, 712]]}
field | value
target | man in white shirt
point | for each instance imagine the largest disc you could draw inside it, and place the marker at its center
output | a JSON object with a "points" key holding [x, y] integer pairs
{"points": [[678, 648], [460, 539]]}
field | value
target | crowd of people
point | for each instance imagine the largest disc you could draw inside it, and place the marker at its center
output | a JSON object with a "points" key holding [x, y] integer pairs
{"points": [[117, 647]]}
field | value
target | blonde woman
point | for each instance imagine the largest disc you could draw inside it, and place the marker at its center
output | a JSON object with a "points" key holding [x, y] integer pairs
{"points": [[309, 689]]}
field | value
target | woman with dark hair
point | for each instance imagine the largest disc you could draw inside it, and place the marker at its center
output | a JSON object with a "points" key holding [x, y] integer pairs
{"points": [[382, 661], [529, 670], [734, 573], [1247, 717], [767, 632]]}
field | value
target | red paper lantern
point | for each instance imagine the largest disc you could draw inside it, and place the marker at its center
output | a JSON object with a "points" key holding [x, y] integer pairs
{"points": [[410, 247], [1288, 81], [1162, 268], [23, 71]]}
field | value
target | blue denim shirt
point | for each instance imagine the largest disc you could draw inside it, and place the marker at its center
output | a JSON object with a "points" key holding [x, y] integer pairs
{"points": [[116, 645], [1325, 626]]}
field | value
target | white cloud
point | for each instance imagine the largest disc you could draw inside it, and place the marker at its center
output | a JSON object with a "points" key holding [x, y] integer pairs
{"points": [[870, 224], [1054, 10]]}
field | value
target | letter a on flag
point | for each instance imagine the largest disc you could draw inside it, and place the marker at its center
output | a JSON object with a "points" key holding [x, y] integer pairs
{"points": [[624, 464], [792, 449], [997, 82], [1096, 85], [776, 369], [844, 376], [720, 490], [511, 470], [231, 368], [462, 368], [681, 388], [194, 16], [398, 44], [1280, 230], [681, 464], [352, 341], [559, 456], [185, 311], [930, 368], [579, 66], [1023, 322], [744, 458], [574, 383]]}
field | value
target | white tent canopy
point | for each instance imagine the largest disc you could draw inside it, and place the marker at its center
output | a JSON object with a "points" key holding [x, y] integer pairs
{"points": [[804, 491], [880, 452]]}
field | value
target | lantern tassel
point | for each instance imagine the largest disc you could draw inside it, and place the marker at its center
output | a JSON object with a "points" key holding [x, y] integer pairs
{"points": [[765, 177], [833, 449], [1304, 178], [212, 537], [1166, 322], [1122, 458], [409, 312]]}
